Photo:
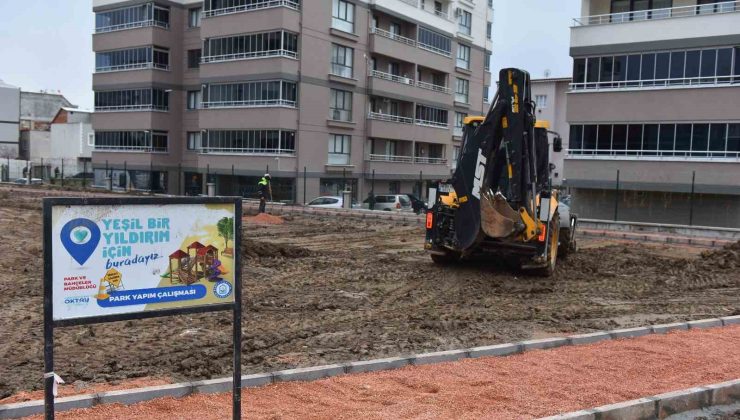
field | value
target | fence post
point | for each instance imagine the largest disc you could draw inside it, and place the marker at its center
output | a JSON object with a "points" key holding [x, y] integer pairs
{"points": [[421, 184], [84, 174], [43, 170], [29, 167], [180, 180], [691, 199], [616, 199], [344, 179], [61, 180], [305, 173], [125, 175], [151, 177]]}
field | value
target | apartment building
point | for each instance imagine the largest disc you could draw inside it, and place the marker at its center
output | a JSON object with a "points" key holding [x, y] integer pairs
{"points": [[325, 95], [551, 97], [10, 109], [655, 97]]}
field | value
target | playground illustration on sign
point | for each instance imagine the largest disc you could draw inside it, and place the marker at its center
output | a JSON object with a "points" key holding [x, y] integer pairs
{"points": [[120, 259]]}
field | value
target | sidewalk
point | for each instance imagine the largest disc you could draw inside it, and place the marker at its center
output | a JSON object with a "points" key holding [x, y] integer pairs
{"points": [[529, 385]]}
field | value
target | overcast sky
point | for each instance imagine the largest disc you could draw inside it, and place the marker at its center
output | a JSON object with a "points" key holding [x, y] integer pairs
{"points": [[47, 44]]}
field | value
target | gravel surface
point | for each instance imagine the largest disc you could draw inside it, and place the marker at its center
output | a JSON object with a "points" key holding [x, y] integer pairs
{"points": [[534, 384], [320, 290]]}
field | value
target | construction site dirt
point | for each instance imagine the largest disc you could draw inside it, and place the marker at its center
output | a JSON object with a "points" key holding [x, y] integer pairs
{"points": [[324, 289]]}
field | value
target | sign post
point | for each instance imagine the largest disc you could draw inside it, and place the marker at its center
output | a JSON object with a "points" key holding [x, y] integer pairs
{"points": [[116, 259]]}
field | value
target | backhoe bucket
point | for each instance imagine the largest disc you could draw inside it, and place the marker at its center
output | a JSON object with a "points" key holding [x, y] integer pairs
{"points": [[498, 219]]}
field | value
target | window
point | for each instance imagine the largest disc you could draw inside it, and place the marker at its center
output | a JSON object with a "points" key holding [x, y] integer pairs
{"points": [[241, 47], [696, 140], [271, 142], [666, 68], [434, 117], [194, 58], [434, 41], [341, 60], [394, 29], [256, 94], [640, 9], [455, 153], [139, 16], [459, 123], [486, 88], [463, 56], [489, 30], [194, 16], [223, 7], [541, 101], [462, 90], [141, 141], [343, 16], [487, 61], [340, 106], [490, 4], [464, 23], [714, 6], [339, 149], [194, 97], [194, 142], [132, 59], [132, 100]]}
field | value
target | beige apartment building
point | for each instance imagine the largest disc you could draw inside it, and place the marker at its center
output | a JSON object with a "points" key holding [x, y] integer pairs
{"points": [[322, 94], [656, 96]]}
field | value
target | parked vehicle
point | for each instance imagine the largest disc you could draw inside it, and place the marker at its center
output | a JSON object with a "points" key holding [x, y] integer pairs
{"points": [[24, 181], [417, 204], [330, 202], [390, 202]]}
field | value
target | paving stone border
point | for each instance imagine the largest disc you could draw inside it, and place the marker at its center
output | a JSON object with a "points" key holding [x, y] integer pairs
{"points": [[661, 405]]}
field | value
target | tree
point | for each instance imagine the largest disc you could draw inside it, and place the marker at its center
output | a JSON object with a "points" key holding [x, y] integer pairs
{"points": [[226, 229]]}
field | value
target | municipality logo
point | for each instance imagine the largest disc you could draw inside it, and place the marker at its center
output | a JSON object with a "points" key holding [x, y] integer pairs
{"points": [[80, 237], [222, 289]]}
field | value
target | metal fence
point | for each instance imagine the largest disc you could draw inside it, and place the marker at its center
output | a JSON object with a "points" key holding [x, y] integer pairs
{"points": [[63, 172]]}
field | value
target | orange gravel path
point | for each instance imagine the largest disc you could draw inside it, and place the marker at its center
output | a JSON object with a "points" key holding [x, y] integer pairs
{"points": [[533, 384]]}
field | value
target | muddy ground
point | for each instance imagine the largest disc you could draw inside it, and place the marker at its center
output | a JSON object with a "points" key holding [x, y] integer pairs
{"points": [[322, 290]]}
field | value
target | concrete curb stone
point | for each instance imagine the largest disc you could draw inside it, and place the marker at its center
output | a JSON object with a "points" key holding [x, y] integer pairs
{"points": [[730, 320], [705, 323], [664, 328], [377, 365], [211, 386], [725, 393], [257, 379], [684, 400], [439, 357], [580, 339], [543, 344], [643, 408], [575, 415], [307, 374], [631, 332], [497, 350], [129, 396]]}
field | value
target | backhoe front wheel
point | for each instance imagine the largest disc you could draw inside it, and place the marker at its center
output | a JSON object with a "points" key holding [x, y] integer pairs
{"points": [[552, 247]]}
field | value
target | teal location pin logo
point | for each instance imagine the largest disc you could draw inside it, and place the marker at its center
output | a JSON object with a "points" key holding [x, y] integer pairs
{"points": [[80, 237]]}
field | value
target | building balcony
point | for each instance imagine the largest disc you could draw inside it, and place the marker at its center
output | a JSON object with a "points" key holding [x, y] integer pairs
{"points": [[137, 36], [407, 49], [442, 20], [135, 77], [381, 83], [406, 128], [261, 17], [274, 64], [126, 120], [657, 25], [249, 118], [406, 166], [221, 163]]}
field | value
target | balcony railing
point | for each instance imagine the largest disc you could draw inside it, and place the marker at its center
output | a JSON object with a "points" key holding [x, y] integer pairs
{"points": [[434, 124], [148, 149], [247, 151], [267, 103], [608, 154], [131, 108], [138, 66], [392, 77], [391, 158], [432, 86], [391, 35], [658, 83], [655, 14], [267, 4], [430, 160], [390, 118], [248, 56], [132, 25]]}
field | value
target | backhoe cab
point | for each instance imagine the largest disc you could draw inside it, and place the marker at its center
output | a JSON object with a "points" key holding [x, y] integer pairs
{"points": [[500, 202]]}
